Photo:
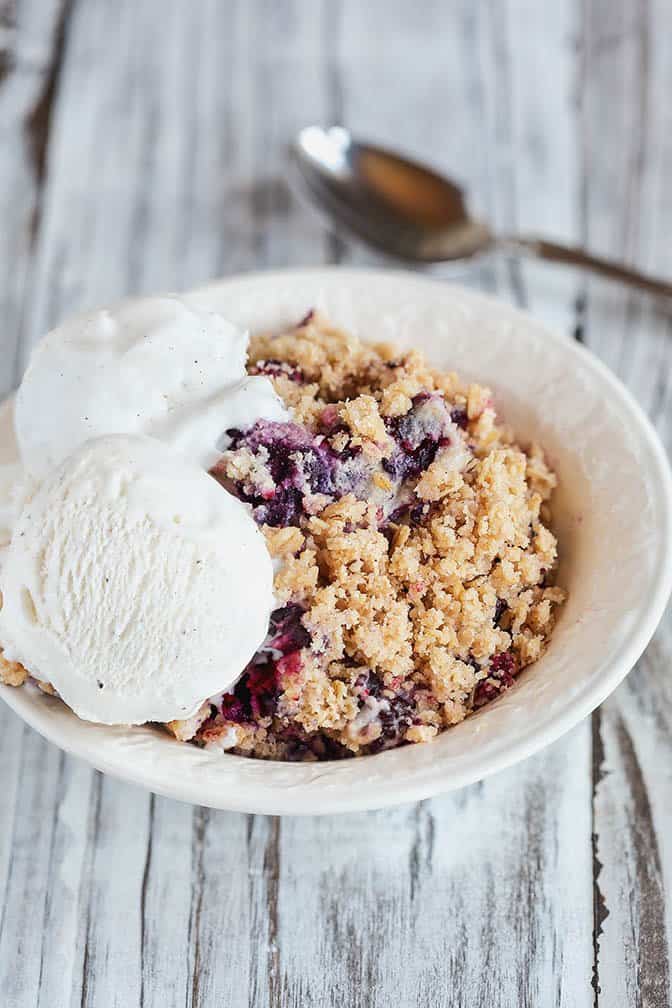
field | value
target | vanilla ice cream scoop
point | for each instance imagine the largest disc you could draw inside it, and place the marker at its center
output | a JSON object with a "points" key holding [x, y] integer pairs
{"points": [[12, 488], [155, 366], [134, 583]]}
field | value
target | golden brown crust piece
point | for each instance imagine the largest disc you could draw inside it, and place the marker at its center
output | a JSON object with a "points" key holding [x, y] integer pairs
{"points": [[11, 673]]}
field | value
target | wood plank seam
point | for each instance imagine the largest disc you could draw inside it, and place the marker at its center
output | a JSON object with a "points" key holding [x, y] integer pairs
{"points": [[600, 910]]}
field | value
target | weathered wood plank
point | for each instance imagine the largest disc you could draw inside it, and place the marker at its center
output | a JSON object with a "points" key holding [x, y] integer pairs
{"points": [[61, 950], [11, 759], [167, 165], [165, 936], [532, 125], [111, 968], [28, 868], [32, 46], [31, 52], [464, 900], [626, 161]]}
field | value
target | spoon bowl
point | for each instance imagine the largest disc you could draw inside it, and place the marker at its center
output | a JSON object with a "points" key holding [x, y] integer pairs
{"points": [[395, 204]]}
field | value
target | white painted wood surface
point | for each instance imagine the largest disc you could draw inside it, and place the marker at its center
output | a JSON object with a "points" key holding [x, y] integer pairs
{"points": [[142, 146]]}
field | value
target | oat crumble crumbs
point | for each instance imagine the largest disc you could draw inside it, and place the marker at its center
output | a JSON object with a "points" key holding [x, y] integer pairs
{"points": [[414, 563]]}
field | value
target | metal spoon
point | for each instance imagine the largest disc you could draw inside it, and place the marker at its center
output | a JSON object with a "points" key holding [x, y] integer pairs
{"points": [[411, 212]]}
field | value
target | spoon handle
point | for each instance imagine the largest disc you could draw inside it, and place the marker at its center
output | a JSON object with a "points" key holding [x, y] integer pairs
{"points": [[572, 255]]}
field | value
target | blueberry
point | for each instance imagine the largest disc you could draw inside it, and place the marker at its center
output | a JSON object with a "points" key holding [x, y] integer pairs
{"points": [[424, 454], [263, 689], [395, 720], [500, 608], [369, 684], [277, 369], [405, 462], [285, 509], [286, 632], [234, 710], [418, 513], [293, 458], [237, 706], [280, 464], [460, 418], [318, 470]]}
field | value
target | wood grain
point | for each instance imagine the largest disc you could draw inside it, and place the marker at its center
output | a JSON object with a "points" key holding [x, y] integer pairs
{"points": [[623, 210], [31, 57], [143, 148]]}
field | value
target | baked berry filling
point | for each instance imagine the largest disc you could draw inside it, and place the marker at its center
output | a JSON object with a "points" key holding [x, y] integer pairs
{"points": [[256, 693], [285, 466]]}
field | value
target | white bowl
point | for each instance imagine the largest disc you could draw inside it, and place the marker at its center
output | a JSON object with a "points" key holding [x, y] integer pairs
{"points": [[613, 516]]}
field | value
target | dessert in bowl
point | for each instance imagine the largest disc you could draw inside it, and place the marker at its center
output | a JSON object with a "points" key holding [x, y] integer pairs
{"points": [[414, 552]]}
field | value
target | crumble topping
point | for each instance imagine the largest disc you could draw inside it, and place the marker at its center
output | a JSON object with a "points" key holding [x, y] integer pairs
{"points": [[413, 555]]}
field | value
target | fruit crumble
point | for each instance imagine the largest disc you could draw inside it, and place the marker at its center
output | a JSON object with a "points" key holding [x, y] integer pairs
{"points": [[413, 557], [410, 535]]}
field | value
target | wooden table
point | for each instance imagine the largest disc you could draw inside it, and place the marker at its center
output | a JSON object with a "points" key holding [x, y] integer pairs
{"points": [[143, 147]]}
